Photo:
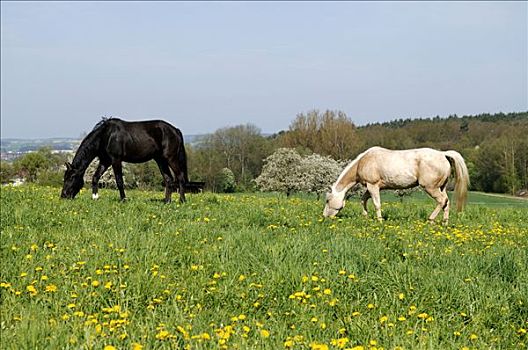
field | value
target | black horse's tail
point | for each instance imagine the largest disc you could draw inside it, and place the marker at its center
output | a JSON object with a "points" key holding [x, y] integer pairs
{"points": [[182, 157]]}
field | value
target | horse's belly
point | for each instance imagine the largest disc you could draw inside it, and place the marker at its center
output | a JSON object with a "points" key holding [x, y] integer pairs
{"points": [[399, 181]]}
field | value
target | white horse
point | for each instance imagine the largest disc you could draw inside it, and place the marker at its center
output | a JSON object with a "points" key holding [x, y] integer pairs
{"points": [[379, 168]]}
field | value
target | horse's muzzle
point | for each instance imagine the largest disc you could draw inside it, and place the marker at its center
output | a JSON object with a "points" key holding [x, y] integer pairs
{"points": [[65, 196]]}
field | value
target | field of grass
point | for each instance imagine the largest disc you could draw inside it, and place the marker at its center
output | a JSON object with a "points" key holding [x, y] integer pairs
{"points": [[254, 271]]}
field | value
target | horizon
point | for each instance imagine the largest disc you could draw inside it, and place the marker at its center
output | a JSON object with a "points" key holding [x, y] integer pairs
{"points": [[208, 65], [276, 132]]}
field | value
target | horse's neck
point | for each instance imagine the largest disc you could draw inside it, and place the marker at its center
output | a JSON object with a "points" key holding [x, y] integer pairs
{"points": [[347, 179], [86, 153]]}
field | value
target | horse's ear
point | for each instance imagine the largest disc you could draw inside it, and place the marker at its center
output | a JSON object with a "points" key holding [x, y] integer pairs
{"points": [[68, 166]]}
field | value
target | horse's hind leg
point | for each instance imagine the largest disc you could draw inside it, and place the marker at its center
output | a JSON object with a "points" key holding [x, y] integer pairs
{"points": [[181, 179], [118, 173], [364, 200], [167, 177], [442, 203], [375, 194], [446, 207]]}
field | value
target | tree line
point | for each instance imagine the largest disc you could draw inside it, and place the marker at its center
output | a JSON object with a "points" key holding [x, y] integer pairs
{"points": [[495, 147]]}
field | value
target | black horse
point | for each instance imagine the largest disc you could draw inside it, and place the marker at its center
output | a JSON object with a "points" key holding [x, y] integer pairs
{"points": [[115, 141]]}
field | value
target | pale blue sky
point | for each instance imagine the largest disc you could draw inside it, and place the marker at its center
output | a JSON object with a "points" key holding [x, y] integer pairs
{"points": [[207, 65]]}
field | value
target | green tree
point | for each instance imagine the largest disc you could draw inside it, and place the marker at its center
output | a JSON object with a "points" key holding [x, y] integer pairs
{"points": [[241, 149], [7, 172], [31, 164], [329, 133], [146, 175]]}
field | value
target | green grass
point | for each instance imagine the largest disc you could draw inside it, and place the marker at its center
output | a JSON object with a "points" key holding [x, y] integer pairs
{"points": [[259, 271]]}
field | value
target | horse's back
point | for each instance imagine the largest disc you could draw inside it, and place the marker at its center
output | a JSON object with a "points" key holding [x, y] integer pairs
{"points": [[402, 168], [140, 141]]}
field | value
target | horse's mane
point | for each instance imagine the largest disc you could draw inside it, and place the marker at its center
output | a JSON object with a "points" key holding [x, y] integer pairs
{"points": [[347, 169], [103, 121], [87, 146]]}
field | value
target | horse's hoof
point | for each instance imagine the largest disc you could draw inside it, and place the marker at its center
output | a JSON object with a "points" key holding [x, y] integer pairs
{"points": [[95, 196]]}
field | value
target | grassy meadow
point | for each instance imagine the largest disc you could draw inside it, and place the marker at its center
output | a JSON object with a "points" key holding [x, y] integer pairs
{"points": [[259, 271]]}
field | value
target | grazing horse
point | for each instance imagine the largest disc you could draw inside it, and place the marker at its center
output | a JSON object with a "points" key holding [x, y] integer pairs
{"points": [[114, 141], [379, 168]]}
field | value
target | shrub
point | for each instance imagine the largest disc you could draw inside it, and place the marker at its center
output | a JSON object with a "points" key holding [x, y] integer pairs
{"points": [[225, 181]]}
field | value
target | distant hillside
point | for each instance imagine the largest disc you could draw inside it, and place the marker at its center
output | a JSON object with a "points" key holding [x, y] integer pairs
{"points": [[28, 145], [484, 117], [21, 146], [443, 133]]}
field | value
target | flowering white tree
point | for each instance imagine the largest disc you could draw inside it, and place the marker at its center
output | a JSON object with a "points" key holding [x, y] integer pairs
{"points": [[281, 172], [319, 173], [287, 171]]}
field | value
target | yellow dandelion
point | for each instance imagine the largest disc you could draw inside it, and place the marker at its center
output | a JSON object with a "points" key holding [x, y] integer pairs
{"points": [[340, 343], [162, 335], [51, 288], [318, 346], [95, 283], [289, 343], [32, 290]]}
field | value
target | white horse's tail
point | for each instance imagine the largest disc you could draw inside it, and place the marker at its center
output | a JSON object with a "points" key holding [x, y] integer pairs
{"points": [[462, 178]]}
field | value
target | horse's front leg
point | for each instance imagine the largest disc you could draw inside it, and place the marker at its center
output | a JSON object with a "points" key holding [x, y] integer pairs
{"points": [[118, 173], [101, 168], [375, 194]]}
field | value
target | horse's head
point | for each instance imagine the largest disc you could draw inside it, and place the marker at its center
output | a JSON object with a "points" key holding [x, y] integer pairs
{"points": [[334, 203], [73, 182]]}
